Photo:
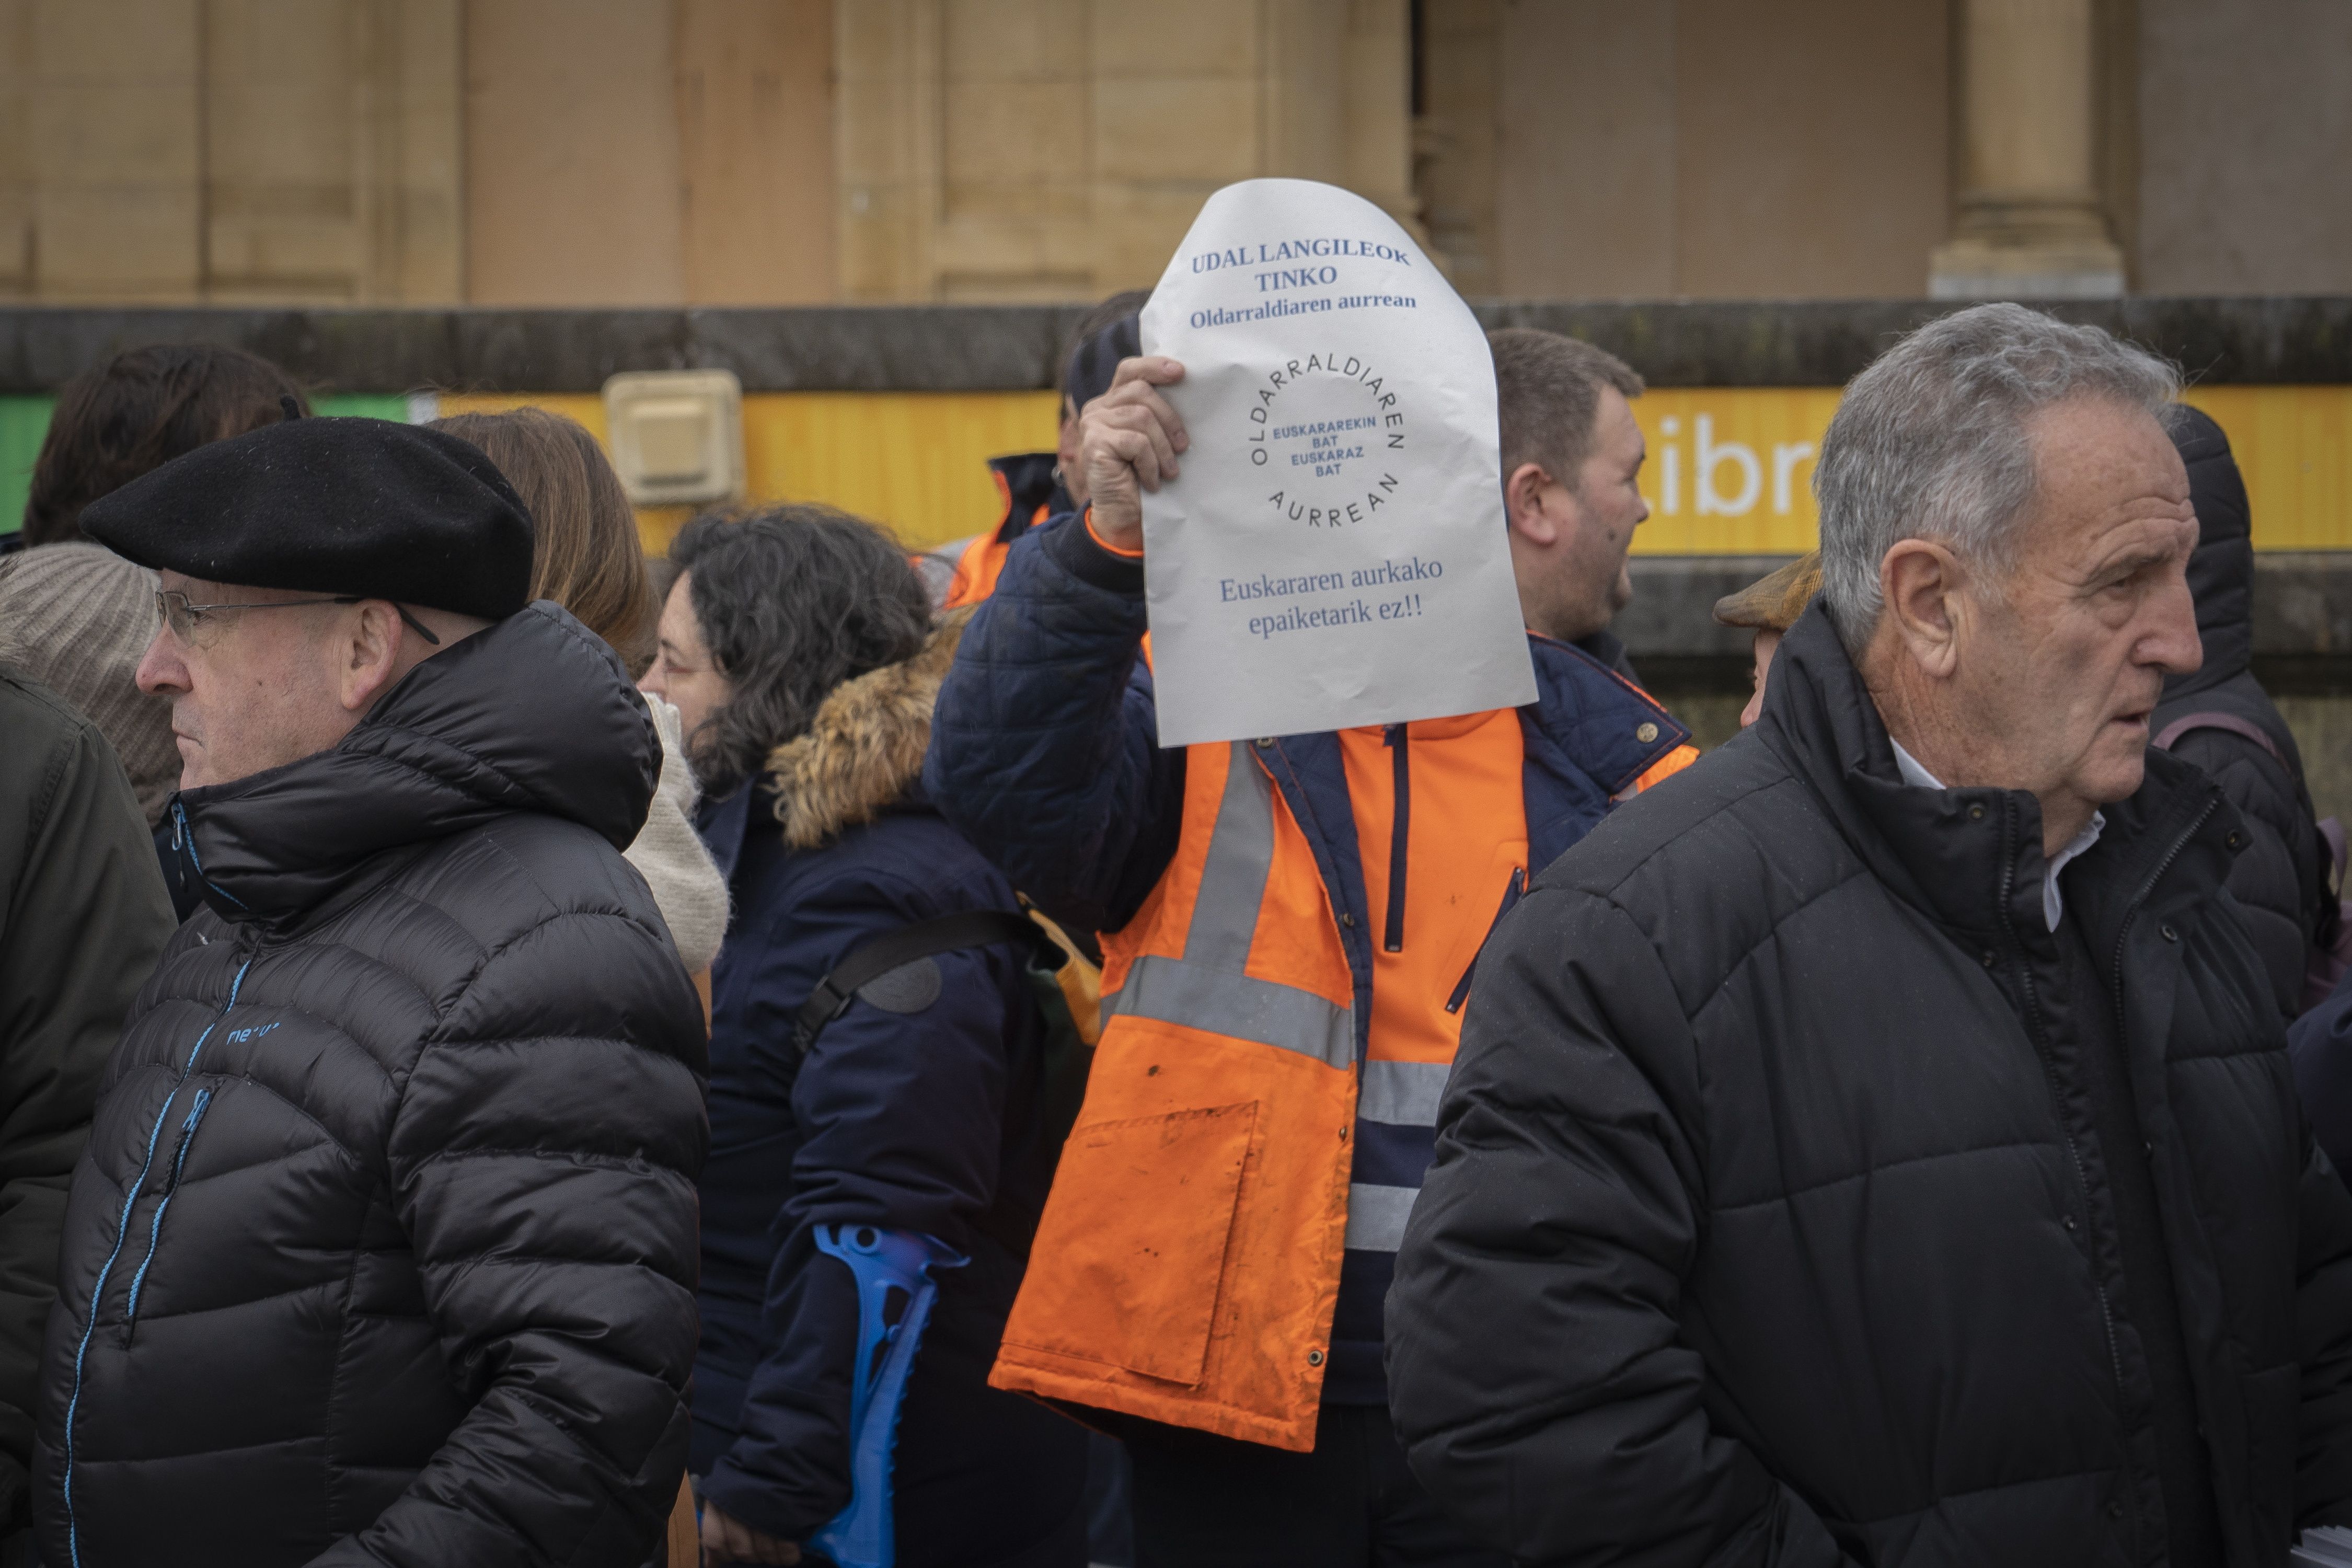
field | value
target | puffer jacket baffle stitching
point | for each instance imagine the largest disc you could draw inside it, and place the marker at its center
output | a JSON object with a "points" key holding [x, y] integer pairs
{"points": [[383, 1250], [1765, 1228], [2276, 880]]}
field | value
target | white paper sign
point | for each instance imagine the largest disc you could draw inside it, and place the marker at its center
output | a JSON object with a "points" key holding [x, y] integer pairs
{"points": [[1333, 551]]}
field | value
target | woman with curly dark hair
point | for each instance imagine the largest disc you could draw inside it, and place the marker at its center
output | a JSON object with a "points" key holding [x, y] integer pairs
{"points": [[799, 645]]}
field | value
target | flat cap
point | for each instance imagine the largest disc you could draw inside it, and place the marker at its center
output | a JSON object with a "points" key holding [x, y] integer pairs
{"points": [[333, 506], [1772, 603]]}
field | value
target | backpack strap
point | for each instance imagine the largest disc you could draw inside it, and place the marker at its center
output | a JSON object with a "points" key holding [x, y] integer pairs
{"points": [[877, 956], [2244, 729]]}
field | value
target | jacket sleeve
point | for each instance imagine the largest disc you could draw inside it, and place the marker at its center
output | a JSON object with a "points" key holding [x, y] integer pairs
{"points": [[901, 1105], [1537, 1371], [85, 919], [2320, 1045], [543, 1162], [2322, 1480], [2275, 877], [1044, 744]]}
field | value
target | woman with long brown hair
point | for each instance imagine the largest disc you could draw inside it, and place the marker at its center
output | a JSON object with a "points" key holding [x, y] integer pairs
{"points": [[586, 557]]}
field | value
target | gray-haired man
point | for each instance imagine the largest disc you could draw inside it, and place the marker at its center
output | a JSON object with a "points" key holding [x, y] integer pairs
{"points": [[1877, 1145]]}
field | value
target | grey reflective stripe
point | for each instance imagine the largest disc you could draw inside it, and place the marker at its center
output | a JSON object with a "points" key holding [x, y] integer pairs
{"points": [[1177, 991], [1233, 878], [1403, 1093], [1208, 988], [1376, 1217]]}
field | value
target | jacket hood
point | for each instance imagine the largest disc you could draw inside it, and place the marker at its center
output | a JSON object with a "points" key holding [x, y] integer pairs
{"points": [[2221, 569], [1028, 480], [533, 714], [863, 753]]}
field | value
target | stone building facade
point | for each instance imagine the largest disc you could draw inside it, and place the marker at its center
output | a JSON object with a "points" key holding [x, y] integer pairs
{"points": [[798, 151]]}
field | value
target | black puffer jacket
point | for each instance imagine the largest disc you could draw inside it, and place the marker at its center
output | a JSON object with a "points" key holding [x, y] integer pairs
{"points": [[1764, 1229], [389, 1209], [2277, 879]]}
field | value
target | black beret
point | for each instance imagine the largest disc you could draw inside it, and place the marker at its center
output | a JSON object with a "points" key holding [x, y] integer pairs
{"points": [[333, 506]]}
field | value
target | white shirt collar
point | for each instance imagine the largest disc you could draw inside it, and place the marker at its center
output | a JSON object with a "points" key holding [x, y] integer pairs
{"points": [[2052, 904], [1908, 766]]}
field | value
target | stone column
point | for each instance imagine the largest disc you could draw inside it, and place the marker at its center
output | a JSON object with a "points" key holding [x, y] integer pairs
{"points": [[1337, 81], [2029, 225], [102, 113]]}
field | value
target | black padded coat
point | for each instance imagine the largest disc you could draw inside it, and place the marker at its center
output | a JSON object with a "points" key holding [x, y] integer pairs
{"points": [[1768, 1226], [383, 1250], [2278, 880]]}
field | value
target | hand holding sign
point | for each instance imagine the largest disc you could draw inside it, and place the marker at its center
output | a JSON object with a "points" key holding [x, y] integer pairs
{"points": [[1129, 440], [1310, 439]]}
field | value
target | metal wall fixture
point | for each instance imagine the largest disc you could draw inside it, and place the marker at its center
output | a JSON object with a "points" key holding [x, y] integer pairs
{"points": [[677, 435]]}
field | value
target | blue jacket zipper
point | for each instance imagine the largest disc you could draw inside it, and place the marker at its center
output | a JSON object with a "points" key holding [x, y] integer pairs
{"points": [[171, 1190], [121, 1232], [183, 838]]}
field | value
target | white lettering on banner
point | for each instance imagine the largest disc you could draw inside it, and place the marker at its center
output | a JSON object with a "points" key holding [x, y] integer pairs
{"points": [[1669, 466], [1711, 457], [1333, 551], [1729, 478], [1786, 456]]}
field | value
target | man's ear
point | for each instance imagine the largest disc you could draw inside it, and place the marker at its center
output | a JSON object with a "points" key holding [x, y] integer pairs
{"points": [[367, 653], [1523, 505], [1924, 586]]}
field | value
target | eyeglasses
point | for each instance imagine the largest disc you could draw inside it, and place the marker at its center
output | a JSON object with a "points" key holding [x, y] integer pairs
{"points": [[185, 618]]}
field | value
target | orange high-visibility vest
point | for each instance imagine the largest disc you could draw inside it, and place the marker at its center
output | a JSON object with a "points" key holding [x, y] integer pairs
{"points": [[1664, 768], [978, 565], [1187, 1259], [980, 559]]}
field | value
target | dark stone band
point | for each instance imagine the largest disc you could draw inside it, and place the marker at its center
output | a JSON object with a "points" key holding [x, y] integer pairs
{"points": [[984, 348]]}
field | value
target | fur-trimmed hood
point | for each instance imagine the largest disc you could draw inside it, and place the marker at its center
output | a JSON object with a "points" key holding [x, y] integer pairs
{"points": [[864, 752]]}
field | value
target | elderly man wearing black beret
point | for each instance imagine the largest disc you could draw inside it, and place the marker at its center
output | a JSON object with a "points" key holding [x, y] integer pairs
{"points": [[383, 1249]]}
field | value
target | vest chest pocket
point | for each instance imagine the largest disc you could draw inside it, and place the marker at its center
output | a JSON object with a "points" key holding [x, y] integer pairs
{"points": [[1141, 1217]]}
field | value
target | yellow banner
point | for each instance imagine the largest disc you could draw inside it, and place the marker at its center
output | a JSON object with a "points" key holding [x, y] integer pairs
{"points": [[915, 461], [1730, 469]]}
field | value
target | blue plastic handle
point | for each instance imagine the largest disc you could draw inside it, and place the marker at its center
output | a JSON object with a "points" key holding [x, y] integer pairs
{"points": [[882, 1261]]}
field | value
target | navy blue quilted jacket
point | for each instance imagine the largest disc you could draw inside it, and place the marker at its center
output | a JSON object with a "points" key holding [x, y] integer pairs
{"points": [[914, 1110]]}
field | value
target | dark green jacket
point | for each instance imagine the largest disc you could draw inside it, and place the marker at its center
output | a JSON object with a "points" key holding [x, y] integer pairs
{"points": [[84, 919]]}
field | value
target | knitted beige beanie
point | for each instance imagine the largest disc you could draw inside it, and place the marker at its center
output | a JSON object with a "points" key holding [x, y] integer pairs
{"points": [[77, 618]]}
